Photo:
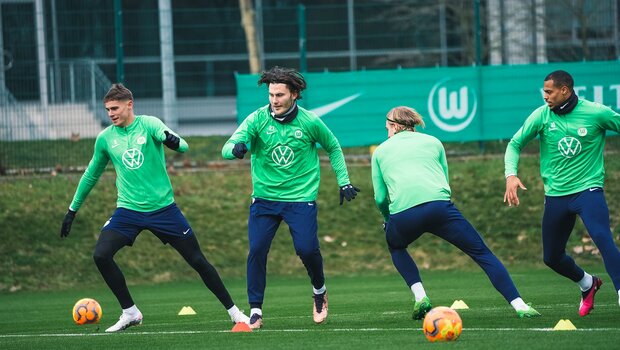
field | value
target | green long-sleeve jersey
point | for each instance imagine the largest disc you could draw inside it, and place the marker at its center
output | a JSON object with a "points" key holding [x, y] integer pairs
{"points": [[137, 154], [285, 161], [571, 146], [409, 169]]}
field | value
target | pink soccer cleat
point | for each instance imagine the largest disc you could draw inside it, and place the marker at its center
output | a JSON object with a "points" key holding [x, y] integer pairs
{"points": [[587, 297]]}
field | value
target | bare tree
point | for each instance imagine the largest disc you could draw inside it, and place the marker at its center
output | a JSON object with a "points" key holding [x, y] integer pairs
{"points": [[421, 19], [251, 38]]}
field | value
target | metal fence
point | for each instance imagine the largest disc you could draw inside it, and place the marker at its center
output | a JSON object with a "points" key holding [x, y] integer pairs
{"points": [[59, 56]]}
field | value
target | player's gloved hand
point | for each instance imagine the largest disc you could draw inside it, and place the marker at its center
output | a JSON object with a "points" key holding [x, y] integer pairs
{"points": [[172, 141], [239, 150], [66, 223], [349, 192]]}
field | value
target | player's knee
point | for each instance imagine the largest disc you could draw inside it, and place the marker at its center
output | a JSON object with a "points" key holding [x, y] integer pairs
{"points": [[307, 252], [550, 260], [198, 261], [257, 250], [600, 235], [101, 256], [395, 244]]}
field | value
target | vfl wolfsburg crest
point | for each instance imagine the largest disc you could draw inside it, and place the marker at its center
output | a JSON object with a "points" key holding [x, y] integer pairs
{"points": [[569, 147], [133, 158], [282, 155], [452, 105]]}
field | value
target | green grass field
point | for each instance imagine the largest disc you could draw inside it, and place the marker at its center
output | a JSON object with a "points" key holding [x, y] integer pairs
{"points": [[41, 276], [368, 312]]}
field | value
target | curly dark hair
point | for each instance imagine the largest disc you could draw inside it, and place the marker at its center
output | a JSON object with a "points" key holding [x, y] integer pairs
{"points": [[281, 75]]}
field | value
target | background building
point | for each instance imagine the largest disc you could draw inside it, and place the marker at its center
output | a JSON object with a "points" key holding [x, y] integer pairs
{"points": [[180, 57]]}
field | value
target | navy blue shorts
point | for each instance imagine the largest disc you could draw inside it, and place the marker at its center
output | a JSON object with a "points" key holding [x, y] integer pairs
{"points": [[168, 223]]}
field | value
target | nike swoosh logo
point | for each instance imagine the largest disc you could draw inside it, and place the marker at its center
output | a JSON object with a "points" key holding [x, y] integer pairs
{"points": [[116, 145], [186, 231], [330, 107], [593, 189]]}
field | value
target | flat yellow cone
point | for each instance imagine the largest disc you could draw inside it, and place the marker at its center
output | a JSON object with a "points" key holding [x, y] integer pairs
{"points": [[187, 310], [564, 325], [459, 305]]}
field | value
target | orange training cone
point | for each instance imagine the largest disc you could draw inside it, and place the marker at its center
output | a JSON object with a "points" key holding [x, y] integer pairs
{"points": [[241, 327]]}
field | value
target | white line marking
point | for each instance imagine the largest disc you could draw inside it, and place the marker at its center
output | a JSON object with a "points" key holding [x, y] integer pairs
{"points": [[321, 329]]}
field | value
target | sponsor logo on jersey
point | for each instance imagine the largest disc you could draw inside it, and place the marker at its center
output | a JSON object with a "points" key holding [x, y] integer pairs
{"points": [[569, 146], [133, 158], [282, 155], [298, 133], [115, 143], [552, 127], [582, 132], [452, 106], [141, 140], [271, 130]]}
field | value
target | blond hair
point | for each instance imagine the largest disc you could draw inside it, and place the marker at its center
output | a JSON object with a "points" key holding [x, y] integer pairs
{"points": [[405, 118]]}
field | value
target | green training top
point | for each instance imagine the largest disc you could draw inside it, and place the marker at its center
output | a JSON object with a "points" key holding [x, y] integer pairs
{"points": [[409, 169], [571, 146], [137, 153], [285, 161]]}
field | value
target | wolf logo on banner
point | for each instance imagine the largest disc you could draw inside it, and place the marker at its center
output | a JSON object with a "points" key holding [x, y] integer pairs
{"points": [[449, 105]]}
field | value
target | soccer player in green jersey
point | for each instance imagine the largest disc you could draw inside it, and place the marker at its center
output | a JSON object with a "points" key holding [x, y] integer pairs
{"points": [[572, 140], [134, 145], [410, 180], [283, 138]]}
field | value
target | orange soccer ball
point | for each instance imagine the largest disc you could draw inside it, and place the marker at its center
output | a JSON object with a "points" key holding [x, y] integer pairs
{"points": [[87, 311], [442, 324]]}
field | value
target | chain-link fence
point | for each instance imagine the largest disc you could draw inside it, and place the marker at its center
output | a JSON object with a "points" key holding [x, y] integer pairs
{"points": [[59, 56]]}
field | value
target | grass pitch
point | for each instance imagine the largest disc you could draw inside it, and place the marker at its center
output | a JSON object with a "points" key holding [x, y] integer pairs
{"points": [[367, 312]]}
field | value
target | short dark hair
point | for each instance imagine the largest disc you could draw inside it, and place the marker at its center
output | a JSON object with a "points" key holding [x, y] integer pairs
{"points": [[118, 92], [281, 75], [561, 78]]}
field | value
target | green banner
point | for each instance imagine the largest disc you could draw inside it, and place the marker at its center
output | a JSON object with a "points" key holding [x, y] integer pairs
{"points": [[458, 104]]}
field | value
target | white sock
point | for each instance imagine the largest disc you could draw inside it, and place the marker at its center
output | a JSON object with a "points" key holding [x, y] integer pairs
{"points": [[519, 305], [618, 296], [418, 291], [256, 310], [233, 310], [319, 291], [133, 310], [586, 282]]}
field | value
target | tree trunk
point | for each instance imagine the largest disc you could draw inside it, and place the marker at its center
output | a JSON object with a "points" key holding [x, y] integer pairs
{"points": [[249, 26]]}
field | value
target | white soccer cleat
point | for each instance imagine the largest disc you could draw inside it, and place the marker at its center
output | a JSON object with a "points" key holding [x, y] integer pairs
{"points": [[256, 321], [126, 321], [319, 308], [240, 317]]}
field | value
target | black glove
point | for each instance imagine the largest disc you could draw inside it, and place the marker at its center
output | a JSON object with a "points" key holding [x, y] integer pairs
{"points": [[349, 192], [66, 223], [172, 141], [239, 150]]}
